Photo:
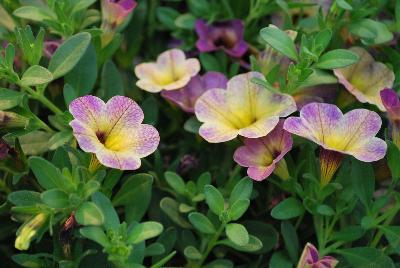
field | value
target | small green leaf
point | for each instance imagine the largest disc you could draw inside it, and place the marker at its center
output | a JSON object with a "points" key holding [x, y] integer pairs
{"points": [[201, 223], [214, 199], [238, 209], [393, 156], [170, 207], [33, 13], [111, 81], [237, 233], [291, 240], [143, 231], [253, 245], [280, 41], [111, 220], [24, 198], [392, 234], [185, 21], [366, 257], [344, 5], [362, 178], [68, 54], [89, 214], [192, 253], [55, 198], [96, 234], [242, 190], [287, 209], [36, 75], [10, 98], [337, 58], [192, 125], [176, 182]]}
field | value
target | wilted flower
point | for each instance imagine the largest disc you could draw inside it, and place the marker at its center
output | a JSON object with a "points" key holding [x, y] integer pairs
{"points": [[263, 155], [29, 230], [338, 134], [310, 259], [50, 46], [366, 78], [245, 109], [114, 12], [187, 96], [171, 71], [391, 102], [12, 120], [113, 131], [225, 35]]}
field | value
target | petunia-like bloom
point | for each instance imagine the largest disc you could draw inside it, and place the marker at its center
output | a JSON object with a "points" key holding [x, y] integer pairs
{"points": [[114, 12], [226, 35], [245, 109], [187, 96], [366, 78], [263, 155], [391, 101], [352, 133], [171, 71], [113, 131], [310, 259]]}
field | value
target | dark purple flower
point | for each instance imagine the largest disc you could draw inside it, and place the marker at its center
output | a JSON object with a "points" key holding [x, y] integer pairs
{"points": [[391, 102], [310, 259], [187, 96], [225, 35], [50, 47]]}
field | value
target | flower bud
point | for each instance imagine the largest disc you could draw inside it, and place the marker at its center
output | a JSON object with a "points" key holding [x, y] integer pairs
{"points": [[12, 120], [29, 230]]}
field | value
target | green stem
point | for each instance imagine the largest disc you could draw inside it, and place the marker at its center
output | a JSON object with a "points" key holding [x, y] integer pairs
{"points": [[378, 236], [210, 246], [42, 98]]}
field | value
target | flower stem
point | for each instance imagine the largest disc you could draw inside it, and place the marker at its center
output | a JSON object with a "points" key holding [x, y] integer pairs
{"points": [[42, 98]]}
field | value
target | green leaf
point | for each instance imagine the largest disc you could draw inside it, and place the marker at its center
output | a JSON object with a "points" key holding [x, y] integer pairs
{"points": [[33, 13], [366, 257], [111, 81], [392, 234], [24, 198], [185, 21], [68, 54], [150, 110], [348, 234], [176, 182], [344, 5], [280, 41], [337, 58], [201, 223], [237, 233], [393, 157], [363, 181], [371, 32], [263, 231], [96, 234], [48, 175], [192, 253], [287, 209], [291, 240], [242, 190], [83, 76], [253, 245], [167, 17], [214, 199], [192, 125], [55, 198], [238, 209], [36, 75], [170, 207], [154, 249], [219, 263], [280, 260], [89, 214], [143, 231], [10, 98], [209, 62], [111, 220]]}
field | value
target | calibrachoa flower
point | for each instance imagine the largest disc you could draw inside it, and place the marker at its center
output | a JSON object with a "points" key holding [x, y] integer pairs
{"points": [[114, 12], [171, 71], [338, 134], [245, 109], [263, 155], [113, 131], [310, 259], [366, 78], [187, 96], [226, 35], [391, 101]]}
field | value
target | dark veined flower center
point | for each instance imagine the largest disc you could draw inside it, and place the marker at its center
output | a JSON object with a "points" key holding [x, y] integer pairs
{"points": [[227, 38], [101, 136]]}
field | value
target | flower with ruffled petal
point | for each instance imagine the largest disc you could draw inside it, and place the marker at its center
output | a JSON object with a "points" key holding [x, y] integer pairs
{"points": [[113, 131], [310, 259], [245, 109], [352, 133], [187, 96], [263, 155], [391, 101], [366, 78], [171, 71], [226, 35]]}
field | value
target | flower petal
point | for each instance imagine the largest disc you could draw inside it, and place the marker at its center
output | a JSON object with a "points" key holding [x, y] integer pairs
{"points": [[217, 132], [370, 150], [85, 136], [260, 128], [118, 160], [87, 110]]}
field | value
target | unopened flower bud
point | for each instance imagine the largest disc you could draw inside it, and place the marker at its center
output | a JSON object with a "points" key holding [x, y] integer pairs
{"points": [[29, 230]]}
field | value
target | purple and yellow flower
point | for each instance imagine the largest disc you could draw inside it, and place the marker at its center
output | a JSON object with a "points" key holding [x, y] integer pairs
{"points": [[114, 12], [113, 131], [366, 78], [310, 259], [391, 101], [187, 96], [226, 35], [244, 109], [263, 155], [352, 133], [171, 71]]}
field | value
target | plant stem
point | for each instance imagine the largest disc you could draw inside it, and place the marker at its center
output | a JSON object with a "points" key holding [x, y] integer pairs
{"points": [[210, 246], [379, 234], [42, 98]]}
